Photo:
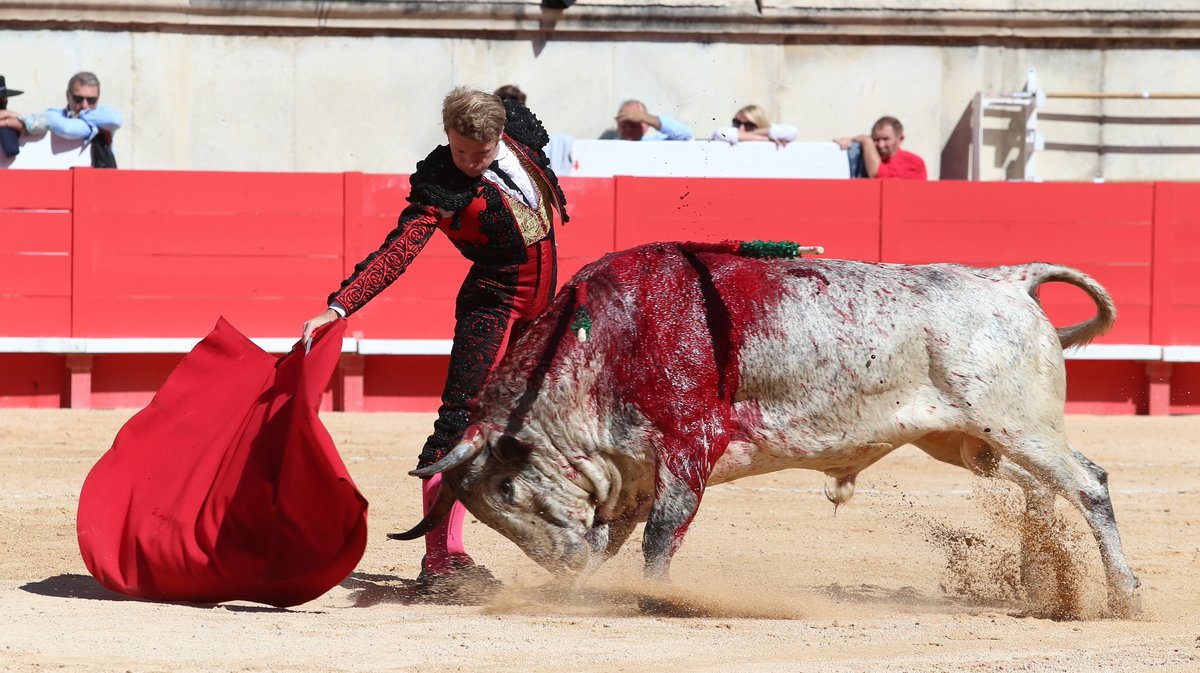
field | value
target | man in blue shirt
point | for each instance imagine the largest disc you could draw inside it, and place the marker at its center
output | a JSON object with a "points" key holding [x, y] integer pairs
{"points": [[84, 118], [634, 122]]}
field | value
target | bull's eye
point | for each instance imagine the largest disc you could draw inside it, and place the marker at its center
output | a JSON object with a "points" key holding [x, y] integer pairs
{"points": [[505, 489]]}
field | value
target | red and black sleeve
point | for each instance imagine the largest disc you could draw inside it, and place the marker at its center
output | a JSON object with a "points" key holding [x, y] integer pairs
{"points": [[382, 267]]}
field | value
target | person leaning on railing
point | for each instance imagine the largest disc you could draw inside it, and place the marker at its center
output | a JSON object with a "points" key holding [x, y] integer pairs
{"points": [[635, 122], [751, 123], [84, 118], [879, 155]]}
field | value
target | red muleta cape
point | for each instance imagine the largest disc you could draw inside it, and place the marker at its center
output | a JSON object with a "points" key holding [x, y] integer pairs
{"points": [[227, 486]]}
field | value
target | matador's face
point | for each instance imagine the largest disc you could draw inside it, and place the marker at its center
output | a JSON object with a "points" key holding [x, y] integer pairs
{"points": [[472, 156]]}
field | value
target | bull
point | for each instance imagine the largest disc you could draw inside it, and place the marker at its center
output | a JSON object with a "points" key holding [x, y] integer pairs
{"points": [[671, 367]]}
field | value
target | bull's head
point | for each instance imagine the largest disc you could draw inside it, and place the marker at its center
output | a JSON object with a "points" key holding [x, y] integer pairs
{"points": [[523, 491]]}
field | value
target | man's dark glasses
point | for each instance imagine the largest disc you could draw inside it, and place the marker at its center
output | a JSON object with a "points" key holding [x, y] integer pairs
{"points": [[79, 99]]}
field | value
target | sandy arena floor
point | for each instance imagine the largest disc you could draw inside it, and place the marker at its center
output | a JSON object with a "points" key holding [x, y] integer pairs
{"points": [[770, 578]]}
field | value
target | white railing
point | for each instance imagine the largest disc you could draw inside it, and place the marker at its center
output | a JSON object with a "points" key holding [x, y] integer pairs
{"points": [[708, 158], [48, 151]]}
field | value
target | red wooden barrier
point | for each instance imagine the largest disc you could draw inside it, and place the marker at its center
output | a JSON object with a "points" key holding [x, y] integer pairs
{"points": [[1176, 317], [842, 216], [1104, 230], [36, 380], [1185, 388], [165, 253], [592, 231], [1176, 309], [1102, 387], [90, 253], [35, 252], [35, 282]]}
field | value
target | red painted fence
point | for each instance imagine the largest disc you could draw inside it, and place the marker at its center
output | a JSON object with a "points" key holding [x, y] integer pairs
{"points": [[86, 253]]}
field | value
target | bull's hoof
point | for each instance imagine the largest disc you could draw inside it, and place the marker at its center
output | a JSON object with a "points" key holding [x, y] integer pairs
{"points": [[466, 585], [1125, 607]]}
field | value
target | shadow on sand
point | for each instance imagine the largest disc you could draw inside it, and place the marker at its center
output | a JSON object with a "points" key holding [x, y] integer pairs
{"points": [[74, 586], [475, 587], [87, 588]]}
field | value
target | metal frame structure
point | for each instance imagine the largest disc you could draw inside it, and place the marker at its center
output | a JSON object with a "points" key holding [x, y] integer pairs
{"points": [[1032, 97]]}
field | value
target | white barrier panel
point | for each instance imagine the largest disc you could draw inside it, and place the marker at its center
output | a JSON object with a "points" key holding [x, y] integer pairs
{"points": [[707, 158], [48, 151]]}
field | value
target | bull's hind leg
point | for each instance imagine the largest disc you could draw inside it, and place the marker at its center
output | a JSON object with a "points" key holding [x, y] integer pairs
{"points": [[1040, 566], [1038, 578], [1051, 460], [1040, 569]]}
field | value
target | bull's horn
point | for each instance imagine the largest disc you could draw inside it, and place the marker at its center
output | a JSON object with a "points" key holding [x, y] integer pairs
{"points": [[468, 448], [438, 511]]}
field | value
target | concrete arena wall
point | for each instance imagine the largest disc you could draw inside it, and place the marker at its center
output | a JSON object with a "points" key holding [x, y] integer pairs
{"points": [[316, 87]]}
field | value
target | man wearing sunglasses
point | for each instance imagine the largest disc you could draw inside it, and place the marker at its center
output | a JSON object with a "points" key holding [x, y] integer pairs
{"points": [[84, 118]]}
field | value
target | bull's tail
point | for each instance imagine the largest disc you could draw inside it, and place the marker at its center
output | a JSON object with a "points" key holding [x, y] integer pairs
{"points": [[1033, 276]]}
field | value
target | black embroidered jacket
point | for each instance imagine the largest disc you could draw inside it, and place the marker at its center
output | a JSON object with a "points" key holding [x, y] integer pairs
{"points": [[472, 212]]}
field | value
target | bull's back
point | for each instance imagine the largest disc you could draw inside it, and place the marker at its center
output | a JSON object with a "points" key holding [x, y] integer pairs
{"points": [[814, 358], [855, 354]]}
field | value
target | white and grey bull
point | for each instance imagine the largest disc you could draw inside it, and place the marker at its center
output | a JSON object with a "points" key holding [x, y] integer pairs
{"points": [[667, 368]]}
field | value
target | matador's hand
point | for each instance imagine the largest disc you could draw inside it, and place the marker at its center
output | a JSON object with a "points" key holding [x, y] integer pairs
{"points": [[311, 326]]}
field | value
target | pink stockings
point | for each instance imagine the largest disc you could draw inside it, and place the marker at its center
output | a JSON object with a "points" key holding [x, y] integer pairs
{"points": [[444, 550]]}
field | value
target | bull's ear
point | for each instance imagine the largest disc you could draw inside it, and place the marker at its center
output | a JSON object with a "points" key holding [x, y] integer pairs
{"points": [[508, 449]]}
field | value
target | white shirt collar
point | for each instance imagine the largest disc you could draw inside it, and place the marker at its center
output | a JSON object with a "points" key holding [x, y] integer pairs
{"points": [[512, 166]]}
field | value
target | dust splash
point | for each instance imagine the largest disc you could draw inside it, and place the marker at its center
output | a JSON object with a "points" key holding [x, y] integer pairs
{"points": [[1034, 562], [632, 598]]}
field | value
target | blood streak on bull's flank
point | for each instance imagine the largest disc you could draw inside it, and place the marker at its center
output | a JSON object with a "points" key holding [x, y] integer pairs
{"points": [[685, 371]]}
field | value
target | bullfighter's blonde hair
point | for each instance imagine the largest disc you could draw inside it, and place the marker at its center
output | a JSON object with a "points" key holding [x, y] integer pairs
{"points": [[478, 115]]}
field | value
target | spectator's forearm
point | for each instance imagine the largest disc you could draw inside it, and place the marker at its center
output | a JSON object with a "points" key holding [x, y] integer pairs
{"points": [[104, 117], [673, 128], [67, 127], [871, 158], [782, 133]]}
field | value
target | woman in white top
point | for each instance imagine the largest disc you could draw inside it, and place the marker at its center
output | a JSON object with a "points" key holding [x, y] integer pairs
{"points": [[750, 124]]}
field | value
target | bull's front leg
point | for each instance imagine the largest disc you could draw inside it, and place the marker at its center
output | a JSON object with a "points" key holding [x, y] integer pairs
{"points": [[675, 503]]}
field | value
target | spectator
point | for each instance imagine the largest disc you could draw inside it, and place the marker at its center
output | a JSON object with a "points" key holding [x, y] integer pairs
{"points": [[560, 145], [491, 193], [511, 92], [634, 122], [11, 127], [752, 124], [879, 155], [84, 118]]}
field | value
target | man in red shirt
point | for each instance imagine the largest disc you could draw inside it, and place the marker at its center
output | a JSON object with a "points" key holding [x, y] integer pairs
{"points": [[881, 153]]}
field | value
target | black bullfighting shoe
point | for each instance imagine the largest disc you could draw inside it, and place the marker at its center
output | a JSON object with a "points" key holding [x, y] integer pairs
{"points": [[467, 584]]}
